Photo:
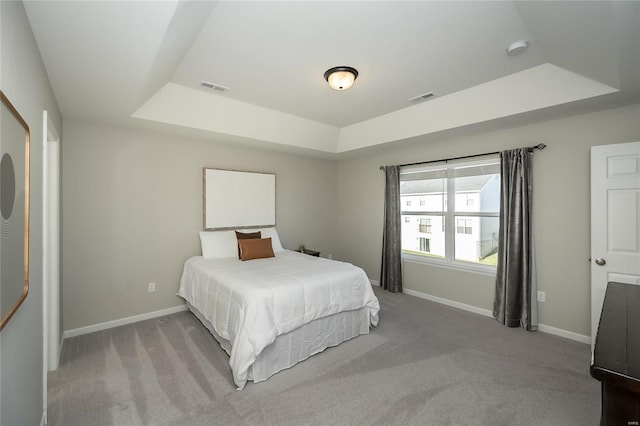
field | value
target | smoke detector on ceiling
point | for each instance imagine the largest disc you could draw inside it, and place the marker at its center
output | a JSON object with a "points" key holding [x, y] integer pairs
{"points": [[517, 47]]}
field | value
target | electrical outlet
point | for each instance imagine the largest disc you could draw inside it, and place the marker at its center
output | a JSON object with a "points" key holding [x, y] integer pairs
{"points": [[152, 287], [542, 296], [330, 256]]}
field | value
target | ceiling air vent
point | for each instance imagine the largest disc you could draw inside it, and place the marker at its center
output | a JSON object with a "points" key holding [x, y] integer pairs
{"points": [[421, 97], [213, 86]]}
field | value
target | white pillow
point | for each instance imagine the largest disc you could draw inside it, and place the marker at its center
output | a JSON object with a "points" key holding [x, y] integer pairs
{"points": [[218, 244], [269, 233], [275, 239]]}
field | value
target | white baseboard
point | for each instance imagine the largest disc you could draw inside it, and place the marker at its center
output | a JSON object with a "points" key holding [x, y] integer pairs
{"points": [[374, 282], [470, 308], [60, 350], [448, 302], [564, 333], [123, 321], [487, 313]]}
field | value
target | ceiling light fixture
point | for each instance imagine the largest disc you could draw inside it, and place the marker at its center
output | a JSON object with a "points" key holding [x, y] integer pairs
{"points": [[517, 47], [341, 78]]}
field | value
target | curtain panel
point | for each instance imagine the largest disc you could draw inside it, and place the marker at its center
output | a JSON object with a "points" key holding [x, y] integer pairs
{"points": [[391, 269], [515, 303]]}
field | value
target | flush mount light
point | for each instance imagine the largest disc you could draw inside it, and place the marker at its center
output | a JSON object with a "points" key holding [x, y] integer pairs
{"points": [[341, 78], [517, 47]]}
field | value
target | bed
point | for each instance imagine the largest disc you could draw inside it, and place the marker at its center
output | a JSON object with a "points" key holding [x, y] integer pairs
{"points": [[270, 313]]}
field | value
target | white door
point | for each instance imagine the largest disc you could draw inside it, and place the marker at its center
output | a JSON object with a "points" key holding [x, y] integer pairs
{"points": [[615, 221]]}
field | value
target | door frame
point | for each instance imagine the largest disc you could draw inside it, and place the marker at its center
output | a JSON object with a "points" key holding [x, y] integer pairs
{"points": [[51, 344]]}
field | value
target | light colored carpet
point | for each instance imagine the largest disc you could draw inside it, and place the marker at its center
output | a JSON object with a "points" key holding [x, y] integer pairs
{"points": [[426, 364]]}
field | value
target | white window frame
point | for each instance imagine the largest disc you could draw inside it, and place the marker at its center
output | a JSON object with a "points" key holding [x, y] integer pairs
{"points": [[449, 262]]}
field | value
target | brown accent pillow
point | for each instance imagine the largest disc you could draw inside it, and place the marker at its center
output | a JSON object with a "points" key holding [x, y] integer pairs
{"points": [[255, 249], [247, 236]]}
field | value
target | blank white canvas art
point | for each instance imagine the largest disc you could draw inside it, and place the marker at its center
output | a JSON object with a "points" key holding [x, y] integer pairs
{"points": [[238, 199]]}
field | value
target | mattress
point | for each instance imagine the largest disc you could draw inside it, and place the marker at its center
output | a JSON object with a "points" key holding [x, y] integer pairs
{"points": [[250, 304]]}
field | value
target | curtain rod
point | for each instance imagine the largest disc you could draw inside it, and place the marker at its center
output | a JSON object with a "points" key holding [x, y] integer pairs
{"points": [[540, 146]]}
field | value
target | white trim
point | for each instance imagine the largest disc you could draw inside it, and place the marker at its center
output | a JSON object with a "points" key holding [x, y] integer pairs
{"points": [[45, 265], [60, 348], [51, 249], [374, 282], [565, 333], [487, 313], [448, 302], [457, 265], [469, 308], [50, 254], [123, 321]]}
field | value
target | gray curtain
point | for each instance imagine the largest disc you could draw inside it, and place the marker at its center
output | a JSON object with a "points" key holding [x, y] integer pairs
{"points": [[515, 303], [391, 271]]}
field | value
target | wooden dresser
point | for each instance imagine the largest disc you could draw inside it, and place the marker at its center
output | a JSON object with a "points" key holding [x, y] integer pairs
{"points": [[616, 358]]}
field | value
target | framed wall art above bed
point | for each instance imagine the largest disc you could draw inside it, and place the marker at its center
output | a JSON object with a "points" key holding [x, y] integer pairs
{"points": [[238, 199]]}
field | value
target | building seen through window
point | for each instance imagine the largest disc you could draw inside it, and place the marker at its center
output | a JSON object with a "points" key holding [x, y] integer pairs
{"points": [[451, 212]]}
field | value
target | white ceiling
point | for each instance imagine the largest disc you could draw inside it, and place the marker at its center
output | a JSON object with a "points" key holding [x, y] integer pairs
{"points": [[131, 61]]}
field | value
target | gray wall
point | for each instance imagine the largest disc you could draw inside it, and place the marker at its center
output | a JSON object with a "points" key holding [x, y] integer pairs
{"points": [[132, 209], [561, 209], [132, 204], [25, 83]]}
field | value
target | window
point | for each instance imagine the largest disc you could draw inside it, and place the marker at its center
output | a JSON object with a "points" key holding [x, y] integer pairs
{"points": [[464, 226], [425, 225], [424, 245], [459, 209], [470, 199]]}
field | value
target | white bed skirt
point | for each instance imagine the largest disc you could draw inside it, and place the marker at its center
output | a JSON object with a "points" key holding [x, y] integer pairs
{"points": [[301, 343]]}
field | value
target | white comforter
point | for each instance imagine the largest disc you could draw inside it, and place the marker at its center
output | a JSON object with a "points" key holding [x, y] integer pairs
{"points": [[250, 303]]}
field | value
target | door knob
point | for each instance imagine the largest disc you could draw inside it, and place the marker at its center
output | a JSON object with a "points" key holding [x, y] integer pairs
{"points": [[600, 261]]}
